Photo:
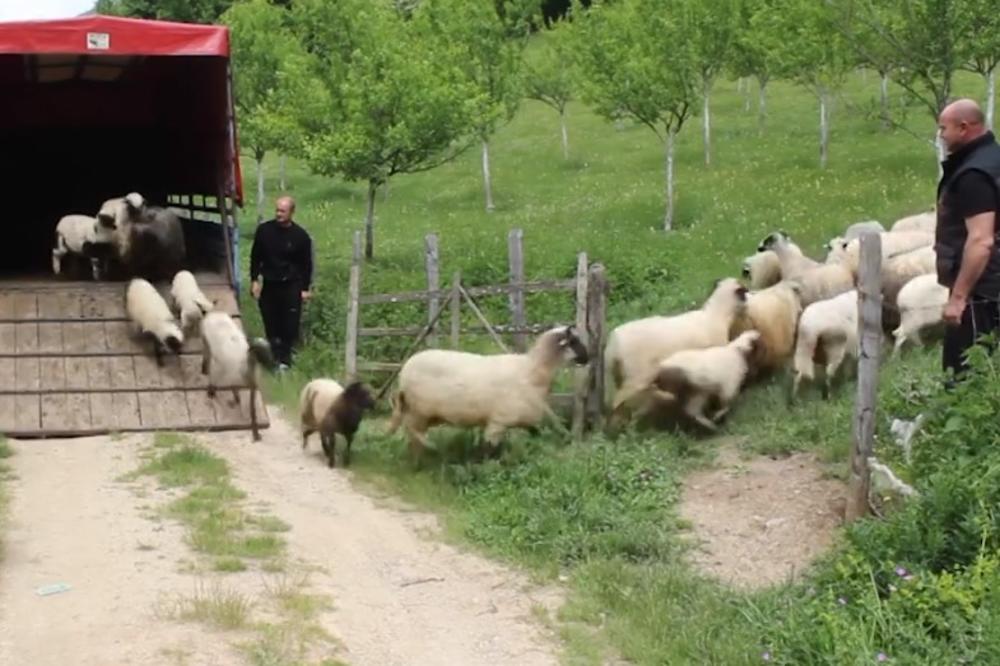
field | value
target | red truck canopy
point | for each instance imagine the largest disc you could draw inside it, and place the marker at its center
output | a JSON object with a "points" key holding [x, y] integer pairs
{"points": [[97, 106]]}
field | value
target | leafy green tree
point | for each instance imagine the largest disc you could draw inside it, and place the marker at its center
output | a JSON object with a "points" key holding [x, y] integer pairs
{"points": [[192, 11], [637, 60], [980, 44], [714, 35], [750, 56], [548, 75], [398, 101]]}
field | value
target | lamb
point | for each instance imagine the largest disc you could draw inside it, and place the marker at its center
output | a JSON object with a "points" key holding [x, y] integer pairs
{"points": [[828, 332], [774, 312], [152, 317], [823, 282], [230, 361], [189, 300], [893, 243], [896, 272], [84, 236], [635, 348], [696, 376], [921, 304], [500, 391], [149, 240], [858, 229], [793, 261], [329, 408], [925, 222], [762, 269]]}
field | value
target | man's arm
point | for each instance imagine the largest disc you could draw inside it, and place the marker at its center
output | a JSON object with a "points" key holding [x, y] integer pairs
{"points": [[975, 254], [255, 264], [307, 262]]}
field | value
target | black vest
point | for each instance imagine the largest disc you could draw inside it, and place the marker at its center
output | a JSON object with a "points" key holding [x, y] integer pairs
{"points": [[982, 154]]}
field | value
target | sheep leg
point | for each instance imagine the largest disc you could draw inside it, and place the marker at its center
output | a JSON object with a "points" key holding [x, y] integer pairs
{"points": [[158, 350], [236, 396], [835, 358], [695, 407], [329, 443], [417, 444], [347, 449], [305, 437], [253, 413], [492, 434]]}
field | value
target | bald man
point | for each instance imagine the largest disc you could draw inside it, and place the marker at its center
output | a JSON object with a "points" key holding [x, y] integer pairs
{"points": [[968, 254], [281, 255]]}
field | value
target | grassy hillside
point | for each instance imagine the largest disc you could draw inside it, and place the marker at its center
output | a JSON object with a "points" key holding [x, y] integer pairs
{"points": [[603, 513]]}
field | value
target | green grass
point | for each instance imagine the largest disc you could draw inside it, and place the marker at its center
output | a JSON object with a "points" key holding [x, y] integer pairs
{"points": [[215, 605], [605, 513]]}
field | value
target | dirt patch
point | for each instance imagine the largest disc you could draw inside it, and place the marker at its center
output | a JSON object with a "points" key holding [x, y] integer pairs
{"points": [[761, 521]]}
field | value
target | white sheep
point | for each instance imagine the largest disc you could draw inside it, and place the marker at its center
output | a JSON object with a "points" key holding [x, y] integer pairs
{"points": [[329, 408], [893, 243], [823, 282], [762, 269], [828, 332], [774, 312], [896, 272], [231, 361], [85, 236], [696, 376], [152, 317], [921, 304], [189, 300], [499, 391], [635, 348], [858, 229], [793, 261], [925, 222]]}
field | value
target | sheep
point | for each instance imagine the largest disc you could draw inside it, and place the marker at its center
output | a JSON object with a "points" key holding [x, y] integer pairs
{"points": [[828, 332], [230, 361], [149, 240], [893, 243], [85, 236], [823, 282], [500, 391], [921, 304], [152, 317], [190, 302], [329, 408], [925, 222], [793, 261], [635, 348], [762, 269], [696, 376], [774, 312], [896, 272], [859, 229]]}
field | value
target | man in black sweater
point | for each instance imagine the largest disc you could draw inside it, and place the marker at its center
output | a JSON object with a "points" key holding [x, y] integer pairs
{"points": [[281, 255], [968, 254]]}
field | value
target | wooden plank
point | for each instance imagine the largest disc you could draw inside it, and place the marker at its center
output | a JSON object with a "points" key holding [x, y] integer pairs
{"points": [[580, 375], [27, 412], [26, 371], [431, 259], [456, 309], [597, 288], [410, 331], [25, 305], [201, 408], [227, 412], [25, 338], [7, 377], [353, 312], [102, 410], [7, 339], [77, 410], [378, 366], [490, 290], [77, 375], [122, 372], [50, 337], [98, 372], [52, 372], [191, 371], [126, 411], [8, 414], [151, 410], [870, 338], [118, 337], [85, 336], [515, 257], [174, 409], [54, 411], [6, 305], [147, 374], [482, 318]]}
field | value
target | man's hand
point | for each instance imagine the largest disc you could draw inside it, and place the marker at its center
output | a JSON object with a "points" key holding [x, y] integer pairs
{"points": [[953, 310], [306, 295], [255, 289]]}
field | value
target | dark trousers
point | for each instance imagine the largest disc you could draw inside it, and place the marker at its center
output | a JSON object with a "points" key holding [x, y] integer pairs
{"points": [[281, 310], [980, 317]]}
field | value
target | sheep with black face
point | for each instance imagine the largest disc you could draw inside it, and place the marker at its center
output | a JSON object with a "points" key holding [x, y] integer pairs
{"points": [[330, 409], [149, 240]]}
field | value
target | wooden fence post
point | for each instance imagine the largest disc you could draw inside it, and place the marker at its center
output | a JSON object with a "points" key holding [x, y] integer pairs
{"points": [[456, 308], [353, 311], [581, 376], [597, 294], [870, 338], [515, 256], [433, 282]]}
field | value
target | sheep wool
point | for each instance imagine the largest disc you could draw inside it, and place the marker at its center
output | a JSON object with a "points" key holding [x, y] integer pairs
{"points": [[774, 312], [762, 269], [925, 222], [151, 316], [793, 261], [828, 332], [921, 304], [189, 300], [328, 408]]}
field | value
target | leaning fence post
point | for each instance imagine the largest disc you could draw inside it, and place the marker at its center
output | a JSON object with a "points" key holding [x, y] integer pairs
{"points": [[581, 376], [433, 282], [456, 308], [597, 293], [870, 338], [515, 256], [353, 311]]}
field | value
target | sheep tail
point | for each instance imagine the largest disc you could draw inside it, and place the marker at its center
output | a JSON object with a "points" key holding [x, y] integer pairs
{"points": [[398, 408]]}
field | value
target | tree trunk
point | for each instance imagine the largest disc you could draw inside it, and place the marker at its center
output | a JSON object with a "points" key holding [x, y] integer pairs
{"points": [[565, 134], [668, 218], [281, 173], [884, 86], [707, 123], [487, 182], [940, 151], [824, 128], [370, 220], [762, 108], [746, 96], [991, 97], [259, 157], [739, 84]]}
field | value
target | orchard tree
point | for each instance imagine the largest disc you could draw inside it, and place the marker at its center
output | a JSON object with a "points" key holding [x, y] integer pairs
{"points": [[548, 76], [191, 11], [636, 59], [980, 44], [398, 102], [751, 56], [714, 25]]}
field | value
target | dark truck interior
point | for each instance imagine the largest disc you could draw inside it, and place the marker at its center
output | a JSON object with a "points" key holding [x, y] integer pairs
{"points": [[76, 130]]}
